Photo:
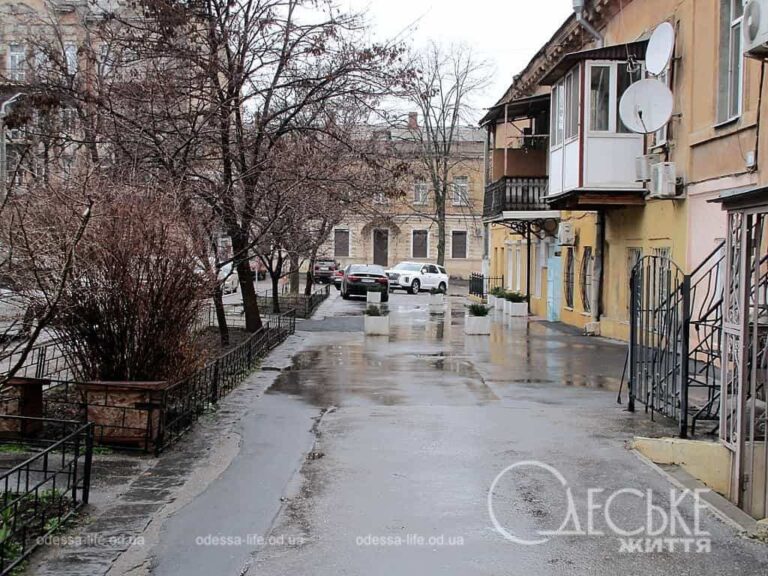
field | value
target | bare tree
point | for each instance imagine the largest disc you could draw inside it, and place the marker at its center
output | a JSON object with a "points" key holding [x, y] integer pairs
{"points": [[442, 90]]}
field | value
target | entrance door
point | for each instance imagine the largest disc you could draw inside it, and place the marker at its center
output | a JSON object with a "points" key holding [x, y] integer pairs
{"points": [[381, 247], [554, 285]]}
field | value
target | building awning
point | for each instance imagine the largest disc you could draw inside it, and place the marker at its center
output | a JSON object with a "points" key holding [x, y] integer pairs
{"points": [[597, 199], [517, 109], [745, 197], [522, 216], [634, 50]]}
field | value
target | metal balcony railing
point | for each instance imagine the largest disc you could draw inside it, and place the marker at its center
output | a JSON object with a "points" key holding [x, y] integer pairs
{"points": [[515, 194]]}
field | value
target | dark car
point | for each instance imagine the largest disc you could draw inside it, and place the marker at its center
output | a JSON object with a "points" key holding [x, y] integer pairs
{"points": [[324, 269], [338, 276], [360, 278]]}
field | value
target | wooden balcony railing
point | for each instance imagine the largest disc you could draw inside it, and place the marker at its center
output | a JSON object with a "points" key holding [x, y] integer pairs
{"points": [[515, 194]]}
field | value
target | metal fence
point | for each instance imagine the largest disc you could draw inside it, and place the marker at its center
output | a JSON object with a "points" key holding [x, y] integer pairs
{"points": [[304, 305], [44, 490], [480, 285]]}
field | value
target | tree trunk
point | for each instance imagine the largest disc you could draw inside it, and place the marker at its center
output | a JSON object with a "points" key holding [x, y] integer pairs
{"points": [[310, 278], [221, 316], [440, 213], [275, 276], [247, 287], [294, 279]]}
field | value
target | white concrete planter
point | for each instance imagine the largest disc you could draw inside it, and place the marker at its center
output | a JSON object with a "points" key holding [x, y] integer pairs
{"points": [[477, 325], [373, 297], [492, 301], [377, 325], [436, 299], [515, 309]]}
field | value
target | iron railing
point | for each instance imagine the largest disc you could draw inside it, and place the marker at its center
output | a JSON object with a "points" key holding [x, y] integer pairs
{"points": [[304, 304], [480, 285], [44, 490], [515, 194]]}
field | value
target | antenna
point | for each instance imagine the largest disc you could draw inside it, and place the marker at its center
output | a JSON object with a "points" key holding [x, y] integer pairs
{"points": [[660, 48], [646, 106]]}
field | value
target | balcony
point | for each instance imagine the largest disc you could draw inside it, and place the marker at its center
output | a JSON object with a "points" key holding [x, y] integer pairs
{"points": [[511, 194]]}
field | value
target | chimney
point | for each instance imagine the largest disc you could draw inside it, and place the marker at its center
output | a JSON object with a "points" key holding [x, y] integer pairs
{"points": [[413, 120]]}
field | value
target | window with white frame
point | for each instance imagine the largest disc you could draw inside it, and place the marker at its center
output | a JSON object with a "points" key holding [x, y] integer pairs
{"points": [[662, 134], [17, 58], [607, 83], [627, 73], [419, 243], [420, 192], [70, 54], [600, 98], [460, 191], [731, 60], [341, 243], [571, 84], [557, 128]]}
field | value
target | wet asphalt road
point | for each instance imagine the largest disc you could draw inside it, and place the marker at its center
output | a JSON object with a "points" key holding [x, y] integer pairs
{"points": [[395, 477]]}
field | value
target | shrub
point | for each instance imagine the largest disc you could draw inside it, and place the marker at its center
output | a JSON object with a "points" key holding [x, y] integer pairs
{"points": [[436, 291], [516, 297], [497, 291], [373, 311], [478, 310]]}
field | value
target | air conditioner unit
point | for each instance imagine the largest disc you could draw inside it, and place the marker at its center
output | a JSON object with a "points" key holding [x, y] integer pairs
{"points": [[663, 180], [566, 234], [643, 166], [755, 29]]}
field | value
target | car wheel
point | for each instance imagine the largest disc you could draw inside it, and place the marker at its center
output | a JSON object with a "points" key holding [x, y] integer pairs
{"points": [[443, 288], [385, 297], [415, 287], [344, 295]]}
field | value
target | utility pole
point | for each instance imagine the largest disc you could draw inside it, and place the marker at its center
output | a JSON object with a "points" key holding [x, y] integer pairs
{"points": [[3, 157]]}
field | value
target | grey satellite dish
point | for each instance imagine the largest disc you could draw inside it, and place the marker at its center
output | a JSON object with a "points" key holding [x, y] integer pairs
{"points": [[646, 106], [660, 49]]}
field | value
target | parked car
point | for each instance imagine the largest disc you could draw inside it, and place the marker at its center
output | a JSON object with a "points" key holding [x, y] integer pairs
{"points": [[360, 278], [324, 270], [229, 279], [416, 276], [338, 276], [258, 266]]}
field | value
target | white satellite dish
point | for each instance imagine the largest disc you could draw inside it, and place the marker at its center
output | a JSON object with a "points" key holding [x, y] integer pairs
{"points": [[660, 48], [646, 106]]}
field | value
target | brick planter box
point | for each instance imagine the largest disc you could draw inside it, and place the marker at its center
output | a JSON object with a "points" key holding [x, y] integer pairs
{"points": [[22, 397], [124, 412]]}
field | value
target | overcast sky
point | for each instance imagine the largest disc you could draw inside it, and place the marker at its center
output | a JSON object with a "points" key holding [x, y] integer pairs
{"points": [[507, 33]]}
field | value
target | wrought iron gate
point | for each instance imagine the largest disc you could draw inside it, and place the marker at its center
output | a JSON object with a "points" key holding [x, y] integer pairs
{"points": [[659, 339], [744, 369]]}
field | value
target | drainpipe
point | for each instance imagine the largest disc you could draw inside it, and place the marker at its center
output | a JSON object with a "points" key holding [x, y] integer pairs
{"points": [[598, 272], [578, 10]]}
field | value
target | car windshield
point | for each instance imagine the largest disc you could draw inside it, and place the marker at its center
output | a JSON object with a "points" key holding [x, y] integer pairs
{"points": [[408, 267], [366, 270]]}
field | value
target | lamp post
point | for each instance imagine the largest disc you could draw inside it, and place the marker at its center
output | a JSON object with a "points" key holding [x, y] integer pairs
{"points": [[3, 159]]}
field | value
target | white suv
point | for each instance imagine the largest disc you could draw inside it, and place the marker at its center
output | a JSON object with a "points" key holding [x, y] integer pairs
{"points": [[415, 276]]}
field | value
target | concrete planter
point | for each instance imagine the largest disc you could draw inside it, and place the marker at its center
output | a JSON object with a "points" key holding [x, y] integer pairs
{"points": [[492, 301], [373, 297], [377, 325], [124, 412], [515, 309], [436, 299], [477, 325]]}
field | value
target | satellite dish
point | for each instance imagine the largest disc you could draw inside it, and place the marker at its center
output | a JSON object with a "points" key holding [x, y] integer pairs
{"points": [[660, 48], [646, 106]]}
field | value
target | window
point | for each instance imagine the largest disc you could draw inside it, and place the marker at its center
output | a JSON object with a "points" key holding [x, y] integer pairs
{"points": [[662, 134], [571, 105], [432, 269], [460, 191], [587, 273], [600, 97], [458, 244], [634, 255], [556, 132], [420, 192], [627, 74], [569, 274], [16, 63], [70, 53], [341, 243], [419, 244], [731, 60]]}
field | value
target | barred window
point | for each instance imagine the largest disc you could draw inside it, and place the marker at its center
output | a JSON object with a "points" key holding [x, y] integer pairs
{"points": [[458, 244], [587, 273], [341, 243], [569, 274], [419, 244]]}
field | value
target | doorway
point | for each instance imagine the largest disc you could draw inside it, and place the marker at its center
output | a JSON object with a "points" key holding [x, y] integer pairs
{"points": [[381, 247], [554, 283]]}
